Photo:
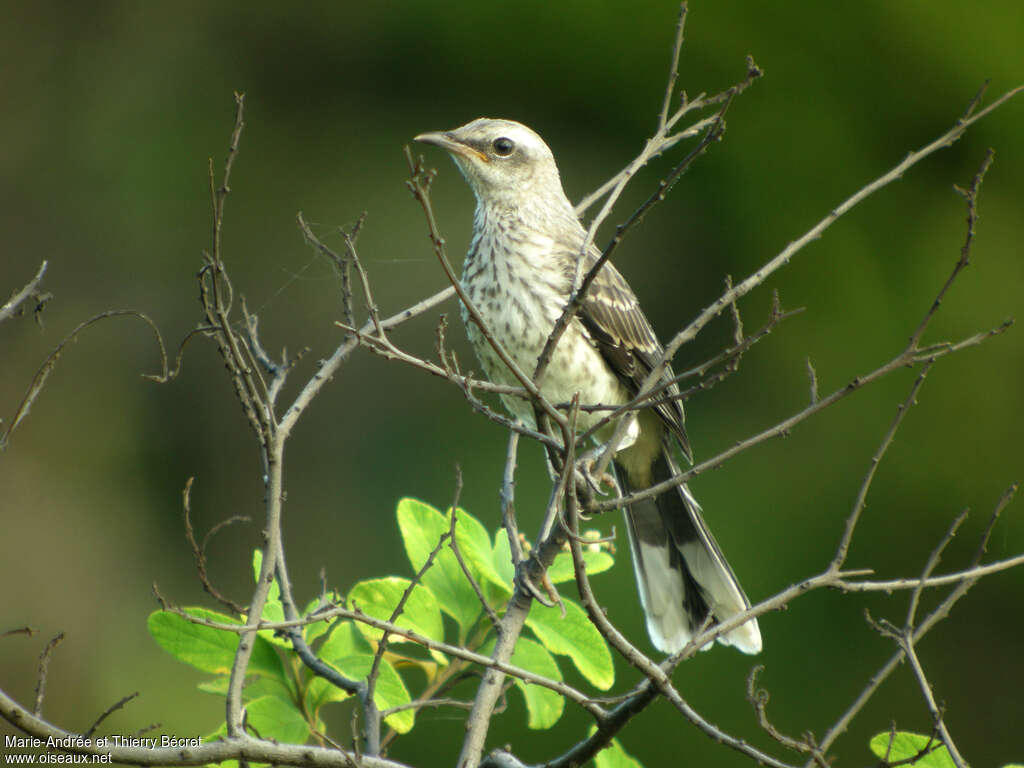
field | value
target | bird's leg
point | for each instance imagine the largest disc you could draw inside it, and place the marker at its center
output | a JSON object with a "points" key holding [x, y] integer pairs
{"points": [[542, 590]]}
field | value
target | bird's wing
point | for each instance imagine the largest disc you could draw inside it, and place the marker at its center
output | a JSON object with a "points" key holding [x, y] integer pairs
{"points": [[612, 315]]}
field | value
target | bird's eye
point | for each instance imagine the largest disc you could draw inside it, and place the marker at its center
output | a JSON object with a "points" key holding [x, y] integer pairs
{"points": [[503, 147]]}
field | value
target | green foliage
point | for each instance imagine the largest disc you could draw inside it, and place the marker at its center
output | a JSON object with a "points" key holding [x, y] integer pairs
{"points": [[574, 636], [614, 756], [285, 701], [913, 749], [544, 707], [903, 745]]}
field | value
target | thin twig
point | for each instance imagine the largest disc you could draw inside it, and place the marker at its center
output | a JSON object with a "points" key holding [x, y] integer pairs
{"points": [[862, 492], [119, 704], [40, 379], [453, 544], [44, 669], [27, 631], [12, 305], [508, 495], [673, 68], [199, 553], [971, 196], [758, 698]]}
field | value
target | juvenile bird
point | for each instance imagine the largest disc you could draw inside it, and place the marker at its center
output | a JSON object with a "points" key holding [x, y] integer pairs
{"points": [[519, 274]]}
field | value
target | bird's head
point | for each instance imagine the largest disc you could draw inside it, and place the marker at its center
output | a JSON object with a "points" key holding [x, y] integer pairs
{"points": [[506, 163]]}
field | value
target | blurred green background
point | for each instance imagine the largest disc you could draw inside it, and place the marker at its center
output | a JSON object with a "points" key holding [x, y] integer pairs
{"points": [[110, 111]]}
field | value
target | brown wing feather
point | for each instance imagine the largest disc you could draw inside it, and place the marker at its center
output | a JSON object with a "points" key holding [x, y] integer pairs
{"points": [[612, 315]]}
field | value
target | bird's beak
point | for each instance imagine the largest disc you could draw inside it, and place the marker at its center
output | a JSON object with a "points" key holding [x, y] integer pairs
{"points": [[446, 141]]}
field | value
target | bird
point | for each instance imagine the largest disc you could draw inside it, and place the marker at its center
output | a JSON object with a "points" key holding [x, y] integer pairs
{"points": [[519, 273]]}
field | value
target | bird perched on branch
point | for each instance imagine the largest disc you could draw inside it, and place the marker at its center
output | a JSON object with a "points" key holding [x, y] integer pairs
{"points": [[519, 274]]}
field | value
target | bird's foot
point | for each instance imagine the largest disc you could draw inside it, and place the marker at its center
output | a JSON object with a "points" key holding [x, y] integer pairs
{"points": [[603, 483], [544, 592]]}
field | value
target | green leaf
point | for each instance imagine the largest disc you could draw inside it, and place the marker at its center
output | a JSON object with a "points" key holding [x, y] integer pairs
{"points": [[275, 718], [390, 690], [314, 631], [379, 598], [348, 652], [344, 640], [422, 527], [320, 692], [273, 609], [502, 556], [254, 689], [576, 637], [475, 548], [420, 613], [614, 756], [209, 649], [561, 569], [906, 745], [543, 706]]}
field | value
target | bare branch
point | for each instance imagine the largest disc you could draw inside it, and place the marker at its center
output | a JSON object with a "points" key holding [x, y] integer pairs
{"points": [[933, 707], [893, 585], [244, 747], [216, 296]]}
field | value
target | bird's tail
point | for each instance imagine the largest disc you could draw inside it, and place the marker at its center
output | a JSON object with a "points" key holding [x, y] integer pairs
{"points": [[681, 572]]}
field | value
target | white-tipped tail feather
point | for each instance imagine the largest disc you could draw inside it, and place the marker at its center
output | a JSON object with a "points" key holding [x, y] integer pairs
{"points": [[681, 573]]}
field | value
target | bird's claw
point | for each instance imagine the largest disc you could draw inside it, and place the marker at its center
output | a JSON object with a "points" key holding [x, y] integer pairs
{"points": [[548, 596], [585, 474]]}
